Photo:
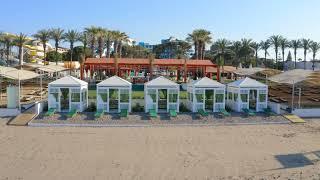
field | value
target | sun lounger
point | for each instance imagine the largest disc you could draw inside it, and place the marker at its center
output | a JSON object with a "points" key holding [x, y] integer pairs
{"points": [[152, 113], [50, 112], [99, 113], [202, 112], [224, 113], [72, 113], [268, 111], [248, 112], [124, 113], [173, 113]]}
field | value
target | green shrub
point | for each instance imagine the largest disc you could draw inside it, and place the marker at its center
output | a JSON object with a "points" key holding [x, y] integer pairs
{"points": [[137, 108], [183, 108], [92, 107]]}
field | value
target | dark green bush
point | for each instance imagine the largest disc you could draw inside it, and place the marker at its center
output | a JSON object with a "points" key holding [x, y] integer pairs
{"points": [[183, 108], [137, 108]]}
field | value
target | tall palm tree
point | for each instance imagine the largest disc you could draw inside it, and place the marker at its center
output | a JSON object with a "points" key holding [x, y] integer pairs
{"points": [[305, 43], [295, 44], [71, 36], [151, 64], [56, 34], [275, 41], [44, 36], [265, 45], [284, 43], [109, 41], [8, 42], [220, 49], [123, 38], [20, 41], [116, 38], [256, 47], [236, 49], [200, 37], [314, 47], [92, 34], [246, 48], [101, 35], [84, 39], [116, 64]]}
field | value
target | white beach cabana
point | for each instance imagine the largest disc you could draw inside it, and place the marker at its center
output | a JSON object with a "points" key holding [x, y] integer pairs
{"points": [[206, 94], [68, 93], [247, 93], [114, 94], [161, 94]]}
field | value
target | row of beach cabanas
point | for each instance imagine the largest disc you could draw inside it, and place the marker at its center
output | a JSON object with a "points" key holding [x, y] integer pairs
{"points": [[160, 95]]}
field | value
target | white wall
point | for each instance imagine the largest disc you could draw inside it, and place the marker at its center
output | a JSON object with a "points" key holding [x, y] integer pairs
{"points": [[307, 112], [275, 107], [5, 112]]}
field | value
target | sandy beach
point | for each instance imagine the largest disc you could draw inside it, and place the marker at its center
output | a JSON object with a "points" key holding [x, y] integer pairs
{"points": [[217, 152]]}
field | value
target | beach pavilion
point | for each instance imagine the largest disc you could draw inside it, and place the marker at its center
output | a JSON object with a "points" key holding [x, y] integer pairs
{"points": [[206, 94], [114, 94], [248, 94], [68, 93], [162, 95]]}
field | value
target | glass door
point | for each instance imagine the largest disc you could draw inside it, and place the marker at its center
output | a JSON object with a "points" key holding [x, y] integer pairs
{"points": [[113, 100], [209, 100], [162, 99], [64, 99]]}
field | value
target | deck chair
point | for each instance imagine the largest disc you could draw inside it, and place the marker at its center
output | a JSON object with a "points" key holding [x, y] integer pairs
{"points": [[98, 113], [173, 113], [152, 113], [202, 112], [224, 113], [72, 113], [268, 111], [50, 112], [248, 112], [124, 113]]}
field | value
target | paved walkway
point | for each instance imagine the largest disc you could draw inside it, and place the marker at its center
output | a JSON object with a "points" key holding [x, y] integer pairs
{"points": [[22, 119]]}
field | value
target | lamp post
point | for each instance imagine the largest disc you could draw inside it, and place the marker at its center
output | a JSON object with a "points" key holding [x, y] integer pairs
{"points": [[292, 98]]}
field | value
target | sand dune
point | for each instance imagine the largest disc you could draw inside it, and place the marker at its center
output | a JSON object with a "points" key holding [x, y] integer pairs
{"points": [[223, 152]]}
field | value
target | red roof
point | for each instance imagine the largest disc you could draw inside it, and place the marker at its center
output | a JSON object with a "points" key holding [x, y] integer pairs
{"points": [[139, 61]]}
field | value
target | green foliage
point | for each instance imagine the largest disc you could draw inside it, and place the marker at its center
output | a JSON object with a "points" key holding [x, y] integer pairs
{"points": [[53, 56], [134, 52], [77, 55], [92, 107], [183, 108], [137, 108], [289, 57]]}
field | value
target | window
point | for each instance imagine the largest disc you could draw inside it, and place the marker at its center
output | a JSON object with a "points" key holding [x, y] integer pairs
{"points": [[103, 94], [75, 97], [113, 94], [152, 94], [199, 96], [219, 98], [84, 96], [244, 97], [235, 97], [262, 97], [54, 92], [124, 95], [230, 95]]}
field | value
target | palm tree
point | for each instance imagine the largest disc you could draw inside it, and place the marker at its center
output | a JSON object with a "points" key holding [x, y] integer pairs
{"points": [[8, 42], [275, 41], [57, 35], [20, 42], [116, 64], [123, 38], [220, 49], [246, 48], [151, 64], [116, 38], [109, 41], [236, 49], [200, 37], [314, 47], [256, 47], [295, 44], [265, 45], [284, 43], [44, 36], [71, 36], [305, 43], [101, 35], [92, 34], [84, 40]]}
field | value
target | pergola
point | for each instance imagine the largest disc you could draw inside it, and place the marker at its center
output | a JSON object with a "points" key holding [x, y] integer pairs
{"points": [[206, 94], [114, 94], [68, 93], [161, 94], [127, 67], [247, 93]]}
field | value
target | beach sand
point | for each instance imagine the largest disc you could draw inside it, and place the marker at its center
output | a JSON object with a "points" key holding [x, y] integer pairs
{"points": [[217, 152]]}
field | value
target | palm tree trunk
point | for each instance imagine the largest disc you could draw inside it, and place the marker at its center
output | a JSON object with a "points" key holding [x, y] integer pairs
{"points": [[20, 56], [108, 48], [71, 54], [276, 51], [44, 53], [282, 60], [314, 57], [57, 45], [295, 59], [265, 59], [120, 49], [115, 47], [305, 59], [196, 50], [92, 48]]}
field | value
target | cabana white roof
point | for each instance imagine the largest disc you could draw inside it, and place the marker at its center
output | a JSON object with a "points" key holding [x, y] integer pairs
{"points": [[68, 81], [115, 81], [206, 83], [17, 74], [161, 82], [247, 83], [291, 77], [52, 68]]}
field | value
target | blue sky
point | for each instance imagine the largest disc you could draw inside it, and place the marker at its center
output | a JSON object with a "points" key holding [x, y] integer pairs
{"points": [[151, 21]]}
